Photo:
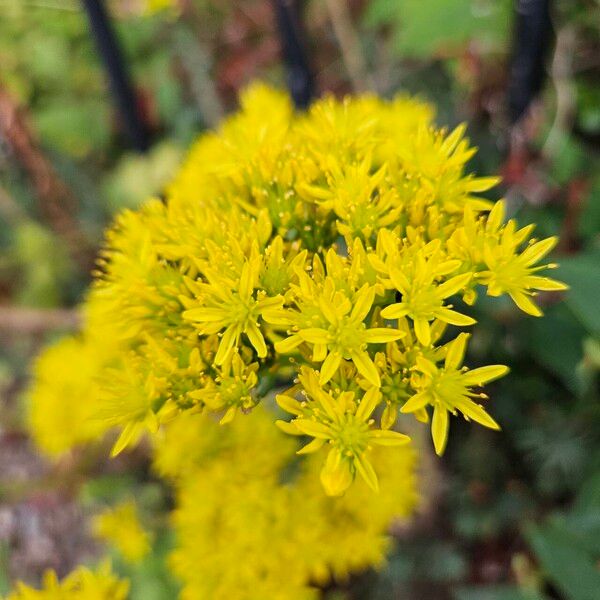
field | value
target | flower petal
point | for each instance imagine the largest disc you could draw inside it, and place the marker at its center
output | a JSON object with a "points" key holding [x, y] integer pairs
{"points": [[545, 284], [205, 314], [475, 412], [288, 427], [453, 285], [313, 446], [365, 468], [315, 335], [363, 301], [246, 285], [422, 331], [228, 341], [387, 437], [526, 304], [368, 403], [439, 429], [256, 339], [313, 428], [129, 436], [288, 345], [416, 402], [453, 317], [336, 476], [330, 365], [400, 281], [289, 404], [389, 416], [366, 367], [319, 352], [228, 416], [484, 374], [395, 311], [538, 250], [426, 366], [382, 335], [456, 351], [481, 184]]}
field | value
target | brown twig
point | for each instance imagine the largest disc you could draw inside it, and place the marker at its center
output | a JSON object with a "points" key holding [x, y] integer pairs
{"points": [[33, 321], [56, 202], [350, 45], [566, 92], [196, 60]]}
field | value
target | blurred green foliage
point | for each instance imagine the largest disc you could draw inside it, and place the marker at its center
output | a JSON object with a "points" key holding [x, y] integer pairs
{"points": [[425, 29]]}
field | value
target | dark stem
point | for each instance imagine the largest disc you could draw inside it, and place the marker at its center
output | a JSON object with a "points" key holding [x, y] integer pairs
{"points": [[291, 33], [120, 84], [532, 39]]}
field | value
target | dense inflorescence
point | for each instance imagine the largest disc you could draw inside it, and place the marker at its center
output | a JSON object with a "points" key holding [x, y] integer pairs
{"points": [[242, 502], [334, 247], [336, 251]]}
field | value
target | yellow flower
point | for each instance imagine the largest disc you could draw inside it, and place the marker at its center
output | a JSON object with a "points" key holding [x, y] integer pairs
{"points": [[120, 527], [330, 316], [233, 308], [272, 521], [280, 266], [513, 273], [345, 423], [65, 374], [360, 195], [231, 389], [283, 244], [423, 285], [448, 389], [80, 584]]}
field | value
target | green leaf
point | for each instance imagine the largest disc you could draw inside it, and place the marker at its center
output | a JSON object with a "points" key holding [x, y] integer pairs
{"points": [[582, 273], [589, 220], [565, 560], [422, 28], [555, 341], [589, 495], [74, 125], [571, 159]]}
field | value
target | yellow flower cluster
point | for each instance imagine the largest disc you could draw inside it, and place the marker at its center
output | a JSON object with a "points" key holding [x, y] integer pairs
{"points": [[81, 584], [336, 248], [251, 524], [64, 400], [120, 526]]}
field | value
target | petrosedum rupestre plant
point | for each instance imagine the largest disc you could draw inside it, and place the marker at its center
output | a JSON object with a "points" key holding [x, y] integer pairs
{"points": [[340, 248], [337, 250]]}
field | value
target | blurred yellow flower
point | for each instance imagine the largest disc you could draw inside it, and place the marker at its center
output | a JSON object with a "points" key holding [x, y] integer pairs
{"points": [[120, 527], [62, 403], [80, 584], [281, 533], [345, 423]]}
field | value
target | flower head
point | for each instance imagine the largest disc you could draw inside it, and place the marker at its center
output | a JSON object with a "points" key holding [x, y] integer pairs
{"points": [[327, 246], [344, 422], [232, 307], [448, 389], [515, 273], [424, 277], [120, 526]]}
